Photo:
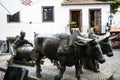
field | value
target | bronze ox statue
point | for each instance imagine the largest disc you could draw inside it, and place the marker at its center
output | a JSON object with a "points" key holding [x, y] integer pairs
{"points": [[67, 49], [106, 47], [105, 43]]}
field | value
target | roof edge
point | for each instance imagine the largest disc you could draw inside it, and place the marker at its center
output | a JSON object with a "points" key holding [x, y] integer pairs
{"points": [[87, 3]]}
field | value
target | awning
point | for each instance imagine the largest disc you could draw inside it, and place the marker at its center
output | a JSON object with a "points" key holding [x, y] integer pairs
{"points": [[114, 29]]}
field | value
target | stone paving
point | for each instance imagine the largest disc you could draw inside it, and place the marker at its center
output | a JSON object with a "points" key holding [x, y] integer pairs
{"points": [[110, 68], [2, 75]]}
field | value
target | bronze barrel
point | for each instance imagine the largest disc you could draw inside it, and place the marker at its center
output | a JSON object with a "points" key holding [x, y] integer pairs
{"points": [[26, 51]]}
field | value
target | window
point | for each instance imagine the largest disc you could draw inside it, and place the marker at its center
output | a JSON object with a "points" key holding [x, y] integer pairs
{"points": [[13, 18], [48, 13]]}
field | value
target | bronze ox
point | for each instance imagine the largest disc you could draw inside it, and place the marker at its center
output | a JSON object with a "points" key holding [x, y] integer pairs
{"points": [[99, 41], [68, 53], [105, 43]]}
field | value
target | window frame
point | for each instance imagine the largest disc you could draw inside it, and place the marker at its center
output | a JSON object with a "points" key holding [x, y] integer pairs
{"points": [[13, 16], [43, 17]]}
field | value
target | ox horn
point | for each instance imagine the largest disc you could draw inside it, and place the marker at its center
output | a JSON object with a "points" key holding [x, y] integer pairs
{"points": [[103, 37], [107, 35], [113, 37], [84, 39]]}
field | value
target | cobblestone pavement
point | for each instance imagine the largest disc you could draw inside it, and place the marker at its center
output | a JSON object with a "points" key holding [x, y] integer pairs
{"points": [[110, 67], [2, 75]]}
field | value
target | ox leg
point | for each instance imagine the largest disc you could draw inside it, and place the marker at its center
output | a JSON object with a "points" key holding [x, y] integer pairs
{"points": [[38, 66], [57, 64], [61, 72], [96, 66], [62, 69], [81, 66], [77, 67]]}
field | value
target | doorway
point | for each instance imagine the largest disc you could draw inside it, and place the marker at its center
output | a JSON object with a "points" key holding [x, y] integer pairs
{"points": [[76, 16], [95, 20]]}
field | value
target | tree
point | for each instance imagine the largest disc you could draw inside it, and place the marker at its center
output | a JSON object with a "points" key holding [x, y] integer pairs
{"points": [[113, 6]]}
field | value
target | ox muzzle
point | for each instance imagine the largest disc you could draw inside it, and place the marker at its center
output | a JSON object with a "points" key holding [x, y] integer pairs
{"points": [[110, 54], [101, 59]]}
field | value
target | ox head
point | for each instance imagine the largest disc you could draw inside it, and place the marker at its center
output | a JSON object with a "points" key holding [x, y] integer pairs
{"points": [[63, 42], [63, 38], [105, 43], [107, 46], [94, 49]]}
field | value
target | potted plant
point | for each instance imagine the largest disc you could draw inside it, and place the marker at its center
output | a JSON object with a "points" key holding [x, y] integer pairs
{"points": [[73, 24]]}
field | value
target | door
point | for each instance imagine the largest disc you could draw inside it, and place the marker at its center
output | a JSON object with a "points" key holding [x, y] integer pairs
{"points": [[95, 19], [76, 16]]}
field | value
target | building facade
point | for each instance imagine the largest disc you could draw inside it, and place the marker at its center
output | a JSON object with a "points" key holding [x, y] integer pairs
{"points": [[49, 17]]}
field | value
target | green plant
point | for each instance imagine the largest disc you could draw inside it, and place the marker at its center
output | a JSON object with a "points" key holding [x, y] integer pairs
{"points": [[73, 24], [113, 6]]}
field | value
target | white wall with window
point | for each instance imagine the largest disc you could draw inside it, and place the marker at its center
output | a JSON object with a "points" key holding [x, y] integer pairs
{"points": [[35, 18], [31, 20]]}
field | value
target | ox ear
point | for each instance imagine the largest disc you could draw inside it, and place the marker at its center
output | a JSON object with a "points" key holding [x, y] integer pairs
{"points": [[92, 41], [80, 43], [98, 40], [113, 37], [35, 34], [106, 38]]}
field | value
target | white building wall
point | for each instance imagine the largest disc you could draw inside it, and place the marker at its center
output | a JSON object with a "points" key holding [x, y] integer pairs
{"points": [[33, 14], [105, 10], [104, 18], [116, 19], [61, 19]]}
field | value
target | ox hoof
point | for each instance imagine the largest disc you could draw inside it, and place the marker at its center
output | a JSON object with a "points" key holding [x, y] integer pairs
{"points": [[97, 71], [81, 72], [38, 75], [41, 62], [58, 67], [41, 78], [57, 77], [78, 78]]}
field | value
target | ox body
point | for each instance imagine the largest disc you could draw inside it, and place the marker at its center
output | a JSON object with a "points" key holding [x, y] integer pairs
{"points": [[105, 43], [67, 49]]}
